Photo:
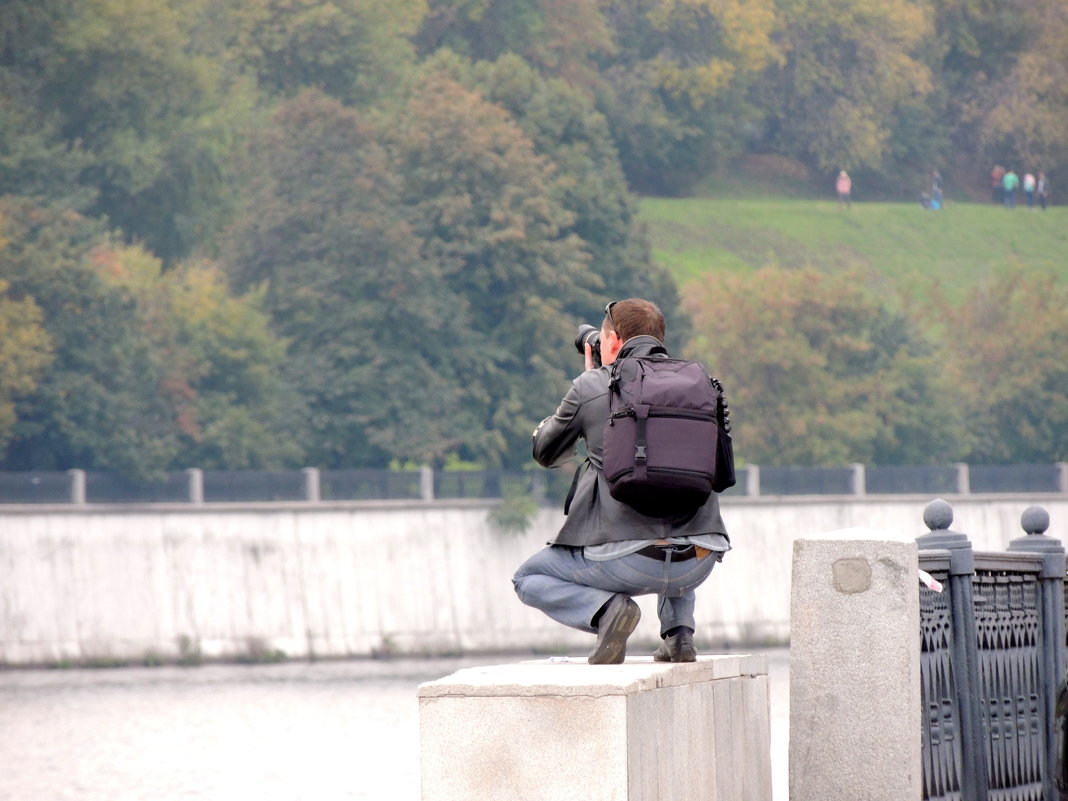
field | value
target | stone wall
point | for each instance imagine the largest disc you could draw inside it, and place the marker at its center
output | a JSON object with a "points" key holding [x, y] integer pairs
{"points": [[223, 581]]}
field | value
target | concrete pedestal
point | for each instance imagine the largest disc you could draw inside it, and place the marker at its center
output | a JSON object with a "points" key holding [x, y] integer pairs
{"points": [[640, 731]]}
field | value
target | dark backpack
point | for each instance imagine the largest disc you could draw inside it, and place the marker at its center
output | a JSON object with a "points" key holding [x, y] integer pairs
{"points": [[667, 444]]}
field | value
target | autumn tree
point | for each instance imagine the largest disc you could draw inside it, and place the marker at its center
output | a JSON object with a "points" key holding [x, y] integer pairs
{"points": [[1007, 340], [151, 370], [110, 106], [221, 364], [485, 207], [819, 372], [25, 351], [36, 159], [1019, 114], [97, 404], [566, 129], [354, 50], [325, 234], [850, 69], [559, 38], [679, 83]]}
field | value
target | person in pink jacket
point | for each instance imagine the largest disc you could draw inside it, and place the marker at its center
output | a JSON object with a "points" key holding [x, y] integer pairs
{"points": [[844, 187]]}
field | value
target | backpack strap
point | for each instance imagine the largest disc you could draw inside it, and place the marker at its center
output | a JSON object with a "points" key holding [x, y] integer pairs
{"points": [[641, 418]]}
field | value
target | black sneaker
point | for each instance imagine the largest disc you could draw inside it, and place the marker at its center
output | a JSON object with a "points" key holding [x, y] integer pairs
{"points": [[677, 648], [617, 623]]}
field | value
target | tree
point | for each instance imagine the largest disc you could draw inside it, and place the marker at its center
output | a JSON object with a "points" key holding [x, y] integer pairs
{"points": [[559, 38], [114, 110], [670, 75], [1021, 113], [483, 204], [324, 232], [679, 80], [566, 129], [1015, 407], [354, 50], [25, 351], [153, 370], [818, 372], [850, 66], [35, 159], [97, 405], [230, 407]]}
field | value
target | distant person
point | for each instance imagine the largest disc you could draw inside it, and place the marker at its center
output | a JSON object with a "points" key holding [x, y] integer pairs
{"points": [[1043, 190], [936, 190], [844, 187], [1009, 182], [1029, 189], [997, 191]]}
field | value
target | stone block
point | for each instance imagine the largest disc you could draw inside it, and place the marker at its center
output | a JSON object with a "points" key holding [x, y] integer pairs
{"points": [[640, 731]]}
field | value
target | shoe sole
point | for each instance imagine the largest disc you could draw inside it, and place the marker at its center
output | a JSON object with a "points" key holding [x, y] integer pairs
{"points": [[612, 641]]}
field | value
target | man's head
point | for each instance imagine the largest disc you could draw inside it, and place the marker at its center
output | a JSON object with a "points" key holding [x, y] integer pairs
{"points": [[625, 319]]}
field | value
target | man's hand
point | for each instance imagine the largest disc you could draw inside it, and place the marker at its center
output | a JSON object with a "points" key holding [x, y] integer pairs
{"points": [[589, 356]]}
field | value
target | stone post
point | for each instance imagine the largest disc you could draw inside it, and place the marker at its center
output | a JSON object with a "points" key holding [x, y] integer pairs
{"points": [[752, 480], [964, 479], [195, 477], [855, 722], [426, 482], [77, 486], [311, 484], [858, 480]]}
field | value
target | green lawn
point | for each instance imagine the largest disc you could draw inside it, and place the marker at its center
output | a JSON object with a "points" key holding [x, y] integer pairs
{"points": [[898, 245]]}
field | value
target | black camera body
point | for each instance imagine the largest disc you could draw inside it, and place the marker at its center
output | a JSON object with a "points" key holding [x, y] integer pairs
{"points": [[587, 333]]}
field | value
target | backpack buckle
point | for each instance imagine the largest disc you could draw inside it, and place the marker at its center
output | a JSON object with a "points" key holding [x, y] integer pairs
{"points": [[639, 453]]}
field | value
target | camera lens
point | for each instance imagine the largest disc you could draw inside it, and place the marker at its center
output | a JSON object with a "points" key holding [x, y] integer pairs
{"points": [[587, 333]]}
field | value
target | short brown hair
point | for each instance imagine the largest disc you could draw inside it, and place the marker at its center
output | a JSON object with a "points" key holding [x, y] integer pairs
{"points": [[635, 317]]}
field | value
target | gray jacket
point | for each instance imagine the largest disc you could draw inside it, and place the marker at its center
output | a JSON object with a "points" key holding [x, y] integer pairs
{"points": [[595, 517]]}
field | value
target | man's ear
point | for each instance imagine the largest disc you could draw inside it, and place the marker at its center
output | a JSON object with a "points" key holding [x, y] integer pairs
{"points": [[612, 341]]}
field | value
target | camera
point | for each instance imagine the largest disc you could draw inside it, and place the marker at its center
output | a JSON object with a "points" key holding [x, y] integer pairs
{"points": [[587, 333]]}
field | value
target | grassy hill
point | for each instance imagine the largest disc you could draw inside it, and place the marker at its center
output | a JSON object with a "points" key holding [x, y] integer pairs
{"points": [[900, 246]]}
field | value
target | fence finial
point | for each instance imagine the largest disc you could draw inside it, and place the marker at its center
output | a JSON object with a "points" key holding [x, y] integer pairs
{"points": [[938, 515], [1034, 520]]}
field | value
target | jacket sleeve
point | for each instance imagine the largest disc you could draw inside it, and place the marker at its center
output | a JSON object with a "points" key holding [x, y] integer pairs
{"points": [[556, 437]]}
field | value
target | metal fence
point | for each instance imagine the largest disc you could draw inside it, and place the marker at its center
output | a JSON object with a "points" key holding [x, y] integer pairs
{"points": [[549, 486], [993, 654]]}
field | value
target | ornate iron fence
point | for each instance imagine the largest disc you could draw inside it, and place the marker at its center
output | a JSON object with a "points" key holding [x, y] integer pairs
{"points": [[993, 654]]}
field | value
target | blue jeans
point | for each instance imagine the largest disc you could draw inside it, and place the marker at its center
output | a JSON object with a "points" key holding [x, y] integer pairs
{"points": [[571, 589]]}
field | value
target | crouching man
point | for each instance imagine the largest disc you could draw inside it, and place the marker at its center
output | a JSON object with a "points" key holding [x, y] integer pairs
{"points": [[606, 552]]}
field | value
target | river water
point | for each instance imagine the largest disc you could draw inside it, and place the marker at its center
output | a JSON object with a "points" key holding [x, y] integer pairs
{"points": [[295, 731]]}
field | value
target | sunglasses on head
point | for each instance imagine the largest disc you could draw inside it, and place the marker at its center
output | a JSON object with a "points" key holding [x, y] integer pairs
{"points": [[608, 314]]}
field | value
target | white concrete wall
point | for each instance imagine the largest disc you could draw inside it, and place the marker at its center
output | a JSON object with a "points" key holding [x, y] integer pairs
{"points": [[352, 579]]}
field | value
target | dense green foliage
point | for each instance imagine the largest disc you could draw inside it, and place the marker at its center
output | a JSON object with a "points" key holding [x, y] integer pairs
{"points": [[890, 89], [270, 233], [148, 370]]}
